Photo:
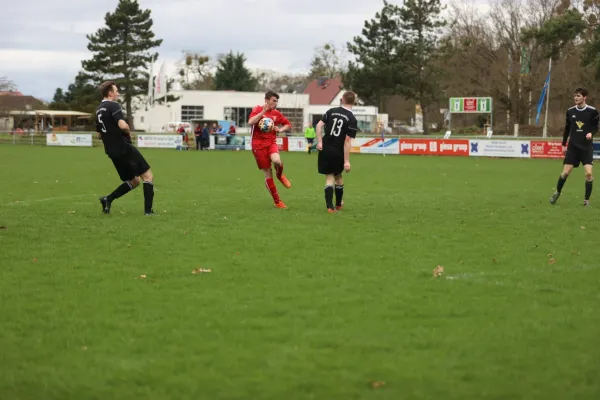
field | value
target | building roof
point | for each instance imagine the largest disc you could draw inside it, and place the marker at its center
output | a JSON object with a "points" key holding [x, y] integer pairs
{"points": [[323, 90], [20, 103], [11, 93]]}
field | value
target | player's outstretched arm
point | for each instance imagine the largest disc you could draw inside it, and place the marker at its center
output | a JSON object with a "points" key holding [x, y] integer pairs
{"points": [[595, 123], [567, 130], [287, 125], [257, 114], [347, 146], [319, 135]]}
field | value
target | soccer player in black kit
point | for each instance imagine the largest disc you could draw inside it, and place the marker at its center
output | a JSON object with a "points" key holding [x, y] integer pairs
{"points": [[581, 125], [128, 161], [334, 148]]}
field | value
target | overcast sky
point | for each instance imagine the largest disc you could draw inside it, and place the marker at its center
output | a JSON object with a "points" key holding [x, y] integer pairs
{"points": [[43, 42]]}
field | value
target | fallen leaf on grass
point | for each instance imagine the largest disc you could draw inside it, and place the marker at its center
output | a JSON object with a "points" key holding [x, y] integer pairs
{"points": [[574, 253], [583, 227], [493, 260], [3, 228], [34, 260], [128, 245], [377, 384], [142, 276], [186, 232], [237, 253], [71, 211], [550, 255], [200, 270], [552, 261], [438, 271]]}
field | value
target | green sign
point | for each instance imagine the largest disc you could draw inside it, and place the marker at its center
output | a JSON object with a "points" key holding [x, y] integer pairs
{"points": [[471, 105]]}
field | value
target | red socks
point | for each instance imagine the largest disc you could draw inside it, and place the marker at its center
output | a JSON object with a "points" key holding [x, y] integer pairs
{"points": [[272, 189]]}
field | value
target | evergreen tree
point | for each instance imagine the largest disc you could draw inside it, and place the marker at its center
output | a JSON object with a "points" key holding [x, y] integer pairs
{"points": [[420, 24], [377, 71], [81, 95], [122, 51], [232, 74]]}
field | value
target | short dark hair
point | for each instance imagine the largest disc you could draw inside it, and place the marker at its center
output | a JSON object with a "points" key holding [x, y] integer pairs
{"points": [[349, 98], [270, 94], [106, 87], [582, 91]]}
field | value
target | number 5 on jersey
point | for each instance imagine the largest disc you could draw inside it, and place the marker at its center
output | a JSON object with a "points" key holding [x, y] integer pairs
{"points": [[100, 120], [336, 128]]}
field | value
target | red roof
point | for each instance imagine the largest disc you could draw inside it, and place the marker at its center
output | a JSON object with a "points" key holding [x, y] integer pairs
{"points": [[10, 93], [324, 90]]}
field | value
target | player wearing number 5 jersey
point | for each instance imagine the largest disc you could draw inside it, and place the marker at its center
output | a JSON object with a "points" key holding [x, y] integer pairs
{"points": [[128, 161], [340, 128]]}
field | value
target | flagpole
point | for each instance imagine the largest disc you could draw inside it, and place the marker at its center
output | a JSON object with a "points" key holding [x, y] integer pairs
{"points": [[545, 131]]}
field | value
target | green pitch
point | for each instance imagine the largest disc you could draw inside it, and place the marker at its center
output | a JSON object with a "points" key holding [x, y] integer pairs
{"points": [[299, 304]]}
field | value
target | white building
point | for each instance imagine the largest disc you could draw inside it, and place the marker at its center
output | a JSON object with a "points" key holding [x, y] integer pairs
{"points": [[212, 106]]}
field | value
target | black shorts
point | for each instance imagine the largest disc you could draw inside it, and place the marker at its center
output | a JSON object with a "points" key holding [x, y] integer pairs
{"points": [[310, 140], [130, 165], [576, 156], [331, 162]]}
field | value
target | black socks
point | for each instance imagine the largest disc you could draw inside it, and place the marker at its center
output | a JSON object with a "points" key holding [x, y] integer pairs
{"points": [[148, 196], [339, 194], [123, 189], [329, 196], [588, 189]]}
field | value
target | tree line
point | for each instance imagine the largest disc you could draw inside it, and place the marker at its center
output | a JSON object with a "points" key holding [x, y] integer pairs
{"points": [[417, 52]]}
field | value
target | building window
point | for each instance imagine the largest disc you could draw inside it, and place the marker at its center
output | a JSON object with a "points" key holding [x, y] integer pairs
{"points": [[239, 115], [366, 123], [189, 113], [296, 117]]}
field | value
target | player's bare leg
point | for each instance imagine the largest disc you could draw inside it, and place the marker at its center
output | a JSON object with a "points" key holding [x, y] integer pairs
{"points": [[123, 189], [148, 180], [329, 180], [270, 184], [589, 180], [276, 160], [339, 192], [567, 168]]}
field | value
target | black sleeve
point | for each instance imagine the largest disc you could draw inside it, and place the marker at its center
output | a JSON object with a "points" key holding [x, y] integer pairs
{"points": [[117, 112], [595, 120], [325, 117], [98, 125], [567, 130], [352, 128]]}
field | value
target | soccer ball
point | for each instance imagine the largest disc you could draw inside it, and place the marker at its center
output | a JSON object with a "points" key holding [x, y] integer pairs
{"points": [[266, 124]]}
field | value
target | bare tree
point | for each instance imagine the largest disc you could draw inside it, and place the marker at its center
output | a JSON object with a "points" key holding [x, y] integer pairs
{"points": [[328, 60], [196, 71], [6, 84]]}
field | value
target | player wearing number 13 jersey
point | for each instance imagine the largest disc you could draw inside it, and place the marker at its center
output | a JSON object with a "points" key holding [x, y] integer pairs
{"points": [[128, 161], [340, 128]]}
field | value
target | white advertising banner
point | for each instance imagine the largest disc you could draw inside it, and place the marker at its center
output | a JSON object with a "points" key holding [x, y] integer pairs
{"points": [[296, 143], [69, 139], [500, 148], [160, 141]]}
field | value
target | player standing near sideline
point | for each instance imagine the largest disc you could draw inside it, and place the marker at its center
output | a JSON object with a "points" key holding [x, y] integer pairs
{"points": [[264, 121], [334, 148], [581, 125], [128, 161]]}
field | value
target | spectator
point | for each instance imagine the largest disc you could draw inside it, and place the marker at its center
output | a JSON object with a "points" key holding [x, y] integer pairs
{"points": [[198, 136], [232, 129], [205, 139], [310, 134]]}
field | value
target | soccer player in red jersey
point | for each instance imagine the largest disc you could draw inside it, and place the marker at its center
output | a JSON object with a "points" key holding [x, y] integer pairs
{"points": [[266, 122]]}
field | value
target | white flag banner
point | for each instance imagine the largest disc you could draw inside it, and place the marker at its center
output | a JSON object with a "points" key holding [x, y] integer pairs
{"points": [[160, 86]]}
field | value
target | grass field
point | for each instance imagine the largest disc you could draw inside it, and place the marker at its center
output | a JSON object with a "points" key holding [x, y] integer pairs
{"points": [[300, 304]]}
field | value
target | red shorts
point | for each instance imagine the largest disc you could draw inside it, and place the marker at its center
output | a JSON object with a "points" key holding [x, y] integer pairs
{"points": [[263, 156]]}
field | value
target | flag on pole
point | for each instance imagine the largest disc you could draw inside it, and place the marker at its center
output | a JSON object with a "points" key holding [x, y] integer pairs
{"points": [[160, 85], [150, 76], [525, 62], [540, 103]]}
